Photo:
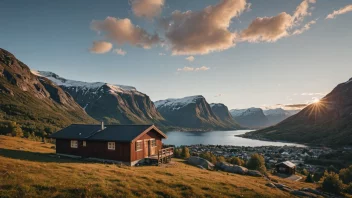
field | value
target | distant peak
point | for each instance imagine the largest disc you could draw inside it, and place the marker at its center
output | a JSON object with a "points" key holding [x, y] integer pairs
{"points": [[178, 101], [73, 83]]}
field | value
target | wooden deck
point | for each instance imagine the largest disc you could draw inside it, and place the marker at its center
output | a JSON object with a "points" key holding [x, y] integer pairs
{"points": [[163, 156]]}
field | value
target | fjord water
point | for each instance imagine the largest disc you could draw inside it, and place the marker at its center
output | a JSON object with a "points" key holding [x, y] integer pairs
{"points": [[218, 138]]}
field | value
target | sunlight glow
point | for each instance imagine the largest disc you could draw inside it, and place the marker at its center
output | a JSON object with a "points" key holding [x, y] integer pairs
{"points": [[316, 100]]}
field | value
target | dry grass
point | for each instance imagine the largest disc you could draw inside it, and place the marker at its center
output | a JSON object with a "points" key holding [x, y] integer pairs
{"points": [[27, 169]]}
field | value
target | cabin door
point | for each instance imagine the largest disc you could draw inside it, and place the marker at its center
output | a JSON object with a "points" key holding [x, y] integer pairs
{"points": [[146, 148]]}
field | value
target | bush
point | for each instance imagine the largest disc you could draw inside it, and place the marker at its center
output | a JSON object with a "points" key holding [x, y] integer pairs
{"points": [[346, 175], [185, 153], [309, 178], [305, 172], [257, 162], [220, 159], [349, 189], [209, 156], [177, 153], [236, 161], [331, 183]]}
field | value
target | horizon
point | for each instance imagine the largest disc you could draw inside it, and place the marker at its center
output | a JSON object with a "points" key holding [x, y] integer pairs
{"points": [[290, 66]]}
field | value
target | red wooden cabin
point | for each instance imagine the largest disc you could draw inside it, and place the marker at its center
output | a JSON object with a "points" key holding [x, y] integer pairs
{"points": [[127, 144]]}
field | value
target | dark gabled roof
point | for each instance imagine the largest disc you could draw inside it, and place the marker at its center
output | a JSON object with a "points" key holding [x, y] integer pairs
{"points": [[121, 133], [76, 131], [287, 163]]}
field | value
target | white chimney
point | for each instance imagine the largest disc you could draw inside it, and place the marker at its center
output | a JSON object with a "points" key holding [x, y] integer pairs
{"points": [[102, 125]]}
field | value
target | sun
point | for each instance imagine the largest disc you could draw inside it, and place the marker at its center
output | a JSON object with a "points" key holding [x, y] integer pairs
{"points": [[316, 100]]}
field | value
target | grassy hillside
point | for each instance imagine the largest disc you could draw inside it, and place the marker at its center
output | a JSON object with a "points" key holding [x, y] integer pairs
{"points": [[28, 169]]}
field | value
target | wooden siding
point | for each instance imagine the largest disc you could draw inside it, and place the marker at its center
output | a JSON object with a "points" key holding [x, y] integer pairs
{"points": [[124, 151], [138, 155], [95, 149]]}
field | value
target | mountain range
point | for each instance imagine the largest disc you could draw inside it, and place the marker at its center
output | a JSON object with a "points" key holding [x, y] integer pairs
{"points": [[194, 112], [327, 122], [113, 104], [258, 118], [35, 103]]}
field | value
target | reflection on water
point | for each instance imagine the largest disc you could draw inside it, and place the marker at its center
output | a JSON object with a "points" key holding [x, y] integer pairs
{"points": [[218, 138]]}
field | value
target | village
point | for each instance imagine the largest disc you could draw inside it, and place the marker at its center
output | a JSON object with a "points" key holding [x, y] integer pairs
{"points": [[271, 154]]}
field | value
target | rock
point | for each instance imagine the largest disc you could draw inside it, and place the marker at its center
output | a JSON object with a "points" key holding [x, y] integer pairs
{"points": [[197, 161], [227, 167], [313, 191], [254, 173], [302, 193], [271, 185]]}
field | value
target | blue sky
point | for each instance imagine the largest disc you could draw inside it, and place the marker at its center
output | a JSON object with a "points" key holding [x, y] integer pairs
{"points": [[56, 36]]}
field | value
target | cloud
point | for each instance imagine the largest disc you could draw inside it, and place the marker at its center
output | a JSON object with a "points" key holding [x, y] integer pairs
{"points": [[190, 58], [192, 69], [120, 52], [343, 10], [147, 8], [122, 31], [161, 54], [298, 106], [205, 31], [313, 94], [101, 47], [271, 29], [304, 28], [218, 95]]}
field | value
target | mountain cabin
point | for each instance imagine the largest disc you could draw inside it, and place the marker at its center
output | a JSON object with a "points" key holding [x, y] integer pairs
{"points": [[286, 167], [126, 144]]}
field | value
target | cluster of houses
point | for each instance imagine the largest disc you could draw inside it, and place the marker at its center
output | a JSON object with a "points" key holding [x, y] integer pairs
{"points": [[273, 155]]}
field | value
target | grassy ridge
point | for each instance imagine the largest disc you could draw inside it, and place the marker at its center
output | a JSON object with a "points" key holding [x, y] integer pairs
{"points": [[27, 169]]}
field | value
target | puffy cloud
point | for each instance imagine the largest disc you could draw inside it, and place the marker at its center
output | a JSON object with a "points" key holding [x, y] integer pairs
{"points": [[123, 31], [192, 69], [271, 29], [120, 52], [268, 29], [343, 10], [161, 54], [205, 31], [147, 8], [313, 94], [298, 106], [101, 47], [190, 58]]}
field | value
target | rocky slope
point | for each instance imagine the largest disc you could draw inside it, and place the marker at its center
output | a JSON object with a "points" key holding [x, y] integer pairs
{"points": [[222, 112], [191, 112], [114, 104], [35, 103], [328, 122], [251, 118]]}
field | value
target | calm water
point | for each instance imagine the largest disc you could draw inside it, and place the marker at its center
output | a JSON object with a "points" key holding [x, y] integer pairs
{"points": [[218, 138]]}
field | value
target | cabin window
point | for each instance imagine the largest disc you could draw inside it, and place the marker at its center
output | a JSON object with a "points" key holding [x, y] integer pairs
{"points": [[111, 145], [74, 144], [84, 143], [153, 142], [139, 145]]}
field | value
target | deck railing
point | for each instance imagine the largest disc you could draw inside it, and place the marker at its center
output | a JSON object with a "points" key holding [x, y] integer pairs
{"points": [[165, 155]]}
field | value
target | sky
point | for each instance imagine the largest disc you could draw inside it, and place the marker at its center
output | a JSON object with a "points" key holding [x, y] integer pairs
{"points": [[243, 53]]}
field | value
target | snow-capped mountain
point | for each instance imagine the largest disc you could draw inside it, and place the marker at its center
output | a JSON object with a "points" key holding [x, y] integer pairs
{"points": [[192, 112], [115, 104], [251, 118]]}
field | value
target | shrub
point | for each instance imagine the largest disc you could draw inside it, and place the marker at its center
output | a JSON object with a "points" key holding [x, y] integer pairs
{"points": [[185, 153], [331, 183], [349, 189], [236, 161], [309, 178], [209, 156], [257, 162], [346, 175], [220, 159], [177, 152], [305, 172]]}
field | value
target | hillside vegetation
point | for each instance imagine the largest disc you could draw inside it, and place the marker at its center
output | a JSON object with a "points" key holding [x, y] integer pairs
{"points": [[29, 169]]}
